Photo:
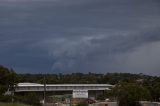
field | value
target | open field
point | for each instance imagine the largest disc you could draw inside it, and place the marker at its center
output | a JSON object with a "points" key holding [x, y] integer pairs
{"points": [[12, 104]]}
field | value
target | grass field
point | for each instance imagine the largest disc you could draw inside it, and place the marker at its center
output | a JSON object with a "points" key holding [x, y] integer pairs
{"points": [[12, 104]]}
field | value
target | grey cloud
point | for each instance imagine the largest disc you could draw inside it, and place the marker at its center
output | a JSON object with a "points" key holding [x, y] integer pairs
{"points": [[76, 35], [144, 59], [86, 53]]}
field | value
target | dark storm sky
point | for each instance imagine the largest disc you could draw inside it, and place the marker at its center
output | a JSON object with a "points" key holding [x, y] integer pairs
{"points": [[53, 36]]}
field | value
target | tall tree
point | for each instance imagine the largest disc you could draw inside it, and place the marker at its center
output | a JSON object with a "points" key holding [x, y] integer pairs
{"points": [[129, 94]]}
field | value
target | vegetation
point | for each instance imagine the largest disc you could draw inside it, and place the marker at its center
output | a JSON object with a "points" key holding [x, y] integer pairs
{"points": [[82, 104], [29, 98], [8, 79], [129, 94], [12, 104], [129, 88], [151, 83]]}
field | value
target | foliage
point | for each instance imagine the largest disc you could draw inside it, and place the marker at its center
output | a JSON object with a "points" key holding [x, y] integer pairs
{"points": [[101, 97], [2, 89], [5, 98], [30, 99], [7, 76], [8, 79], [12, 104], [129, 94], [82, 104]]}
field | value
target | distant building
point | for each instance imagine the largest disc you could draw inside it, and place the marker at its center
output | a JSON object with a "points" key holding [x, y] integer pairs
{"points": [[77, 90]]}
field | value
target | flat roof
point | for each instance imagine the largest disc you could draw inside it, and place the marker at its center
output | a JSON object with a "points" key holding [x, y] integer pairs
{"points": [[36, 84]]}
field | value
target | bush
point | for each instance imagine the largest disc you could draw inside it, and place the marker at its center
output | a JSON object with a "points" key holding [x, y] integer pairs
{"points": [[2, 89], [128, 94], [82, 104], [101, 97], [5, 98], [30, 99]]}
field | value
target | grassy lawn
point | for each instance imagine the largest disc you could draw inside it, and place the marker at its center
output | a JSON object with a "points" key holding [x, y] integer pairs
{"points": [[12, 104]]}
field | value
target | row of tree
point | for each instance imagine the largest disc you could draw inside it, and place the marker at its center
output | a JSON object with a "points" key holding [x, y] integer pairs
{"points": [[112, 78]]}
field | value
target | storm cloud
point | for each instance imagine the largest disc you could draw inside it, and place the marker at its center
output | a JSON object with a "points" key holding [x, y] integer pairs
{"points": [[52, 36]]}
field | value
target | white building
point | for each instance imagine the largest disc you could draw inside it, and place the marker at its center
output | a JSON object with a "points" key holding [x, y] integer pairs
{"points": [[77, 90]]}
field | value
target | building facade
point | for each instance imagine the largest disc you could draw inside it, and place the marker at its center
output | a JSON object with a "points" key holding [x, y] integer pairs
{"points": [[77, 90]]}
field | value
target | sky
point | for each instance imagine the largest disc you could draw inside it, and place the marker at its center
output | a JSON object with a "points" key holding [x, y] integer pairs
{"points": [[65, 36]]}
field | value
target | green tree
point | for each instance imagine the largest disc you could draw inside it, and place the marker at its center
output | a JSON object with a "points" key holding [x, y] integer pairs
{"points": [[8, 79], [129, 94]]}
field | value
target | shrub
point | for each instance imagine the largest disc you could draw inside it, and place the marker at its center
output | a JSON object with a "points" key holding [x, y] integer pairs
{"points": [[82, 104], [30, 99], [5, 98]]}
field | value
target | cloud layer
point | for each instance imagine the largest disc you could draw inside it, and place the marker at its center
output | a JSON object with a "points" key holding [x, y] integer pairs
{"points": [[80, 35]]}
